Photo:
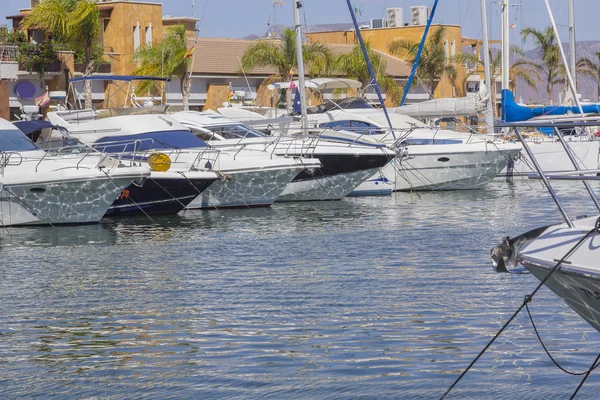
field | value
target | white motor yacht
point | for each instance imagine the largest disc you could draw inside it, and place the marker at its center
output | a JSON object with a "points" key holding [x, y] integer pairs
{"points": [[46, 188], [246, 179], [344, 165], [431, 159]]}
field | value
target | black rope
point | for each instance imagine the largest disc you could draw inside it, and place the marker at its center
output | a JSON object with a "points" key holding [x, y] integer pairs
{"points": [[586, 376], [527, 299], [594, 366]]}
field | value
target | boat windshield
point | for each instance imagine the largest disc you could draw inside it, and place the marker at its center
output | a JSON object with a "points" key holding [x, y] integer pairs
{"points": [[147, 141], [236, 131], [15, 140], [344, 104]]}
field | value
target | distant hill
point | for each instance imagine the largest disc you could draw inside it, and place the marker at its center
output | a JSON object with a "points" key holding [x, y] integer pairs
{"points": [[586, 86]]}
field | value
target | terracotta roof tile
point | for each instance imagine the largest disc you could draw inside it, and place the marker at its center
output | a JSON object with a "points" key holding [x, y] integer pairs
{"points": [[218, 56]]}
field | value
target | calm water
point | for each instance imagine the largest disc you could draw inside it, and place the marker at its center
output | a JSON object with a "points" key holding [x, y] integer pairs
{"points": [[365, 298]]}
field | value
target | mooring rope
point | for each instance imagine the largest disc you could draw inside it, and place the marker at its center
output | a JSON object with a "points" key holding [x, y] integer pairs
{"points": [[528, 298]]}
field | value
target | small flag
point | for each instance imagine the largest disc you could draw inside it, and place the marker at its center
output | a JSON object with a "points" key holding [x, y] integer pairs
{"points": [[292, 85], [513, 26], [297, 103], [189, 53], [230, 95], [42, 100], [291, 73]]}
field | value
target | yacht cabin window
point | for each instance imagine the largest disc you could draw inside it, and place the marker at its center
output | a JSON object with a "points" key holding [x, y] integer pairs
{"points": [[237, 131], [15, 140]]}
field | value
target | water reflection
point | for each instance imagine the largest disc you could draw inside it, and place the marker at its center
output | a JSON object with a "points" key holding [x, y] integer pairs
{"points": [[366, 297]]}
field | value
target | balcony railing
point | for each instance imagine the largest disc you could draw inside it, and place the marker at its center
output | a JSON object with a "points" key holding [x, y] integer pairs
{"points": [[8, 53], [103, 68]]}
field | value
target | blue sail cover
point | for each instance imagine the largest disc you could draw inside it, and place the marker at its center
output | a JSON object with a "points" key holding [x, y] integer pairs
{"points": [[512, 112]]}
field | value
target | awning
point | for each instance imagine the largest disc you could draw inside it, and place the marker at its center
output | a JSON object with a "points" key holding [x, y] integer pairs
{"points": [[321, 84], [124, 78]]}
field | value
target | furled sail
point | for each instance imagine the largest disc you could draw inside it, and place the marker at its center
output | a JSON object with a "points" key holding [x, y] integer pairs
{"points": [[443, 108], [512, 112]]}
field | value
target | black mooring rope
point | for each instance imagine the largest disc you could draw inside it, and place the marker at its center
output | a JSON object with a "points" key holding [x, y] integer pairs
{"points": [[566, 371], [527, 299]]}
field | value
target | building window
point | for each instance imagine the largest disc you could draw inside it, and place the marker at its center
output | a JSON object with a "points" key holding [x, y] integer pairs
{"points": [[149, 35], [136, 37]]}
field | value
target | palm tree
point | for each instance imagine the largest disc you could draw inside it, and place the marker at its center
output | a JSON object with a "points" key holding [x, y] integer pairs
{"points": [[281, 54], [517, 70], [434, 60], [354, 66], [591, 68], [549, 63], [75, 23], [168, 58]]}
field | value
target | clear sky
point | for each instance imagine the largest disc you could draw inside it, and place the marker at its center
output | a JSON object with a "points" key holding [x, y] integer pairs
{"points": [[238, 18]]}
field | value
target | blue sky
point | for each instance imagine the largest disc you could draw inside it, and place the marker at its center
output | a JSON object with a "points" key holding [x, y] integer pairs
{"points": [[238, 18]]}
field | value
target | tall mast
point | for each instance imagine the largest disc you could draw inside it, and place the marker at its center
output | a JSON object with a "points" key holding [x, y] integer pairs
{"points": [[489, 114], [301, 87], [564, 59], [572, 55], [505, 45]]}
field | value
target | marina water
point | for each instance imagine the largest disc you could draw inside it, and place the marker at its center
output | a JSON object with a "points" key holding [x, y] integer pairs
{"points": [[367, 298]]}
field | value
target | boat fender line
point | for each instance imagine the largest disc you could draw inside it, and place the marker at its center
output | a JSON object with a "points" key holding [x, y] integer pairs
{"points": [[528, 298]]}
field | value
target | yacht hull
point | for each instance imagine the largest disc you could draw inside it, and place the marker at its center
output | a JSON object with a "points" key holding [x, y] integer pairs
{"points": [[55, 203], [577, 280], [246, 189], [552, 158], [377, 185], [437, 168], [159, 195]]}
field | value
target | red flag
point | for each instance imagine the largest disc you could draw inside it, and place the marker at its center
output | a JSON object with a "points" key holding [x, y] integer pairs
{"points": [[189, 53], [42, 100]]}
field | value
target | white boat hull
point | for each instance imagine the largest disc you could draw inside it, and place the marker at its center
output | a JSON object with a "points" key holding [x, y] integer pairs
{"points": [[552, 158], [331, 187], [246, 189], [376, 185], [53, 203], [577, 280], [448, 167]]}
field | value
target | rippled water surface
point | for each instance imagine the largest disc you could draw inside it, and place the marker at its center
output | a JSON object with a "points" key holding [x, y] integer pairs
{"points": [[370, 298]]}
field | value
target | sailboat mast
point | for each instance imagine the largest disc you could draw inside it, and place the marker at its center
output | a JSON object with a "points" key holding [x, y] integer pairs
{"points": [[505, 45], [300, 58], [572, 55], [489, 114], [564, 59]]}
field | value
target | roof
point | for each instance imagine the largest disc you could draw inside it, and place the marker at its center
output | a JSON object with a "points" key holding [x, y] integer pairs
{"points": [[218, 56], [169, 18]]}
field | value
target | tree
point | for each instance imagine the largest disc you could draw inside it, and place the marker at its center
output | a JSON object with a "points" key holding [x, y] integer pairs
{"points": [[519, 69], [354, 66], [591, 68], [75, 23], [549, 64], [168, 58], [434, 60], [281, 55]]}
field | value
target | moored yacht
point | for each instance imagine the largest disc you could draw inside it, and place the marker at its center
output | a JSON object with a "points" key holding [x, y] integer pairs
{"points": [[344, 165], [164, 192], [565, 257], [248, 179], [432, 159], [44, 188]]}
